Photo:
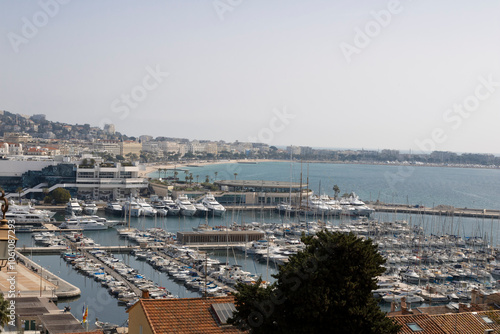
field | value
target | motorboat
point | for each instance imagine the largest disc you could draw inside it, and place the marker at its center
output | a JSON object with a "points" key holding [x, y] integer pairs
{"points": [[30, 218], [187, 208], [114, 208], [334, 208], [283, 208], [83, 223], [360, 208], [132, 208], [89, 208], [214, 207], [147, 209], [315, 206], [73, 207], [173, 208], [396, 296], [201, 210]]}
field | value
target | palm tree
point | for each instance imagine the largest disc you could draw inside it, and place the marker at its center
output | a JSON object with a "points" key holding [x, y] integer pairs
{"points": [[4, 312], [197, 177], [190, 178], [19, 190], [235, 174], [215, 173], [175, 175], [186, 176], [207, 179]]}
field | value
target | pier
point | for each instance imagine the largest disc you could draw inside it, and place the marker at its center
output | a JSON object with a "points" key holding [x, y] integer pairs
{"points": [[441, 210], [59, 249], [111, 271], [50, 285]]}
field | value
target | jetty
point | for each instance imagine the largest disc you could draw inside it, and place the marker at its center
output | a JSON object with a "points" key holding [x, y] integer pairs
{"points": [[47, 285], [440, 210]]}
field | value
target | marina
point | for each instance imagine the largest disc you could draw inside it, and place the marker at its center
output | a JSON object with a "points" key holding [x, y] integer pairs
{"points": [[434, 258]]}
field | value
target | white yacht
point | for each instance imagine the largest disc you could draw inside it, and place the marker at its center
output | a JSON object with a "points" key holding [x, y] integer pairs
{"points": [[114, 208], [132, 208], [30, 209], [73, 207], [24, 217], [284, 208], [187, 208], [334, 208], [83, 223], [315, 205], [360, 208], [42, 236], [172, 207], [214, 207], [147, 209], [89, 208], [201, 210]]}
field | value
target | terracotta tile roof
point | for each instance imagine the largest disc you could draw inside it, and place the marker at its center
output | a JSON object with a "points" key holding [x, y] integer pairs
{"points": [[466, 323], [423, 320], [185, 315]]}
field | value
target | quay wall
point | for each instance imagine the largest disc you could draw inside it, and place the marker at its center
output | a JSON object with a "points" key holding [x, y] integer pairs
{"points": [[380, 207], [64, 288]]}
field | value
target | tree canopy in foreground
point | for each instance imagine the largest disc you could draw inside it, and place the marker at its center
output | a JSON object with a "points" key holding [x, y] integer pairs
{"points": [[326, 288]]}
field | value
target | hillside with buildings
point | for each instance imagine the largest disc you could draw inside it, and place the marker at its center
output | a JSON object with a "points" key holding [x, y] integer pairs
{"points": [[25, 135]]}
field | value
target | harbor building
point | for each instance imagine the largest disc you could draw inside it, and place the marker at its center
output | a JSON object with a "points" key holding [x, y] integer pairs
{"points": [[109, 181], [218, 237], [92, 181], [261, 192]]}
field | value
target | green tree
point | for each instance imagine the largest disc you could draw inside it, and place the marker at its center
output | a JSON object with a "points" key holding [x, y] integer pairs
{"points": [[326, 288], [4, 312], [336, 191], [60, 195]]}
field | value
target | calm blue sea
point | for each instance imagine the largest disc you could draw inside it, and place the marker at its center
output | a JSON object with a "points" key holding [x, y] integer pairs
{"points": [[429, 186]]}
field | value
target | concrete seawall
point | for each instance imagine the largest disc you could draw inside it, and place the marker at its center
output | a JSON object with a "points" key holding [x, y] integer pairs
{"points": [[64, 289]]}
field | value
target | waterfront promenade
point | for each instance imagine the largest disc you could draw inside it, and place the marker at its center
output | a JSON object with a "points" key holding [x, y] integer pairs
{"points": [[32, 280]]}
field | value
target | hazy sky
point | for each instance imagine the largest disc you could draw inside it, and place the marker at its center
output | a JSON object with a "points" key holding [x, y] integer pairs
{"points": [[418, 75]]}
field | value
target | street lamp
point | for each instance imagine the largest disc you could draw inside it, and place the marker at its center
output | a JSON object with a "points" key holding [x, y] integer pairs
{"points": [[6, 234]]}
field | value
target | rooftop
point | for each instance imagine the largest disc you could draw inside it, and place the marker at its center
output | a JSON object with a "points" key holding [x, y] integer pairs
{"points": [[187, 315]]}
